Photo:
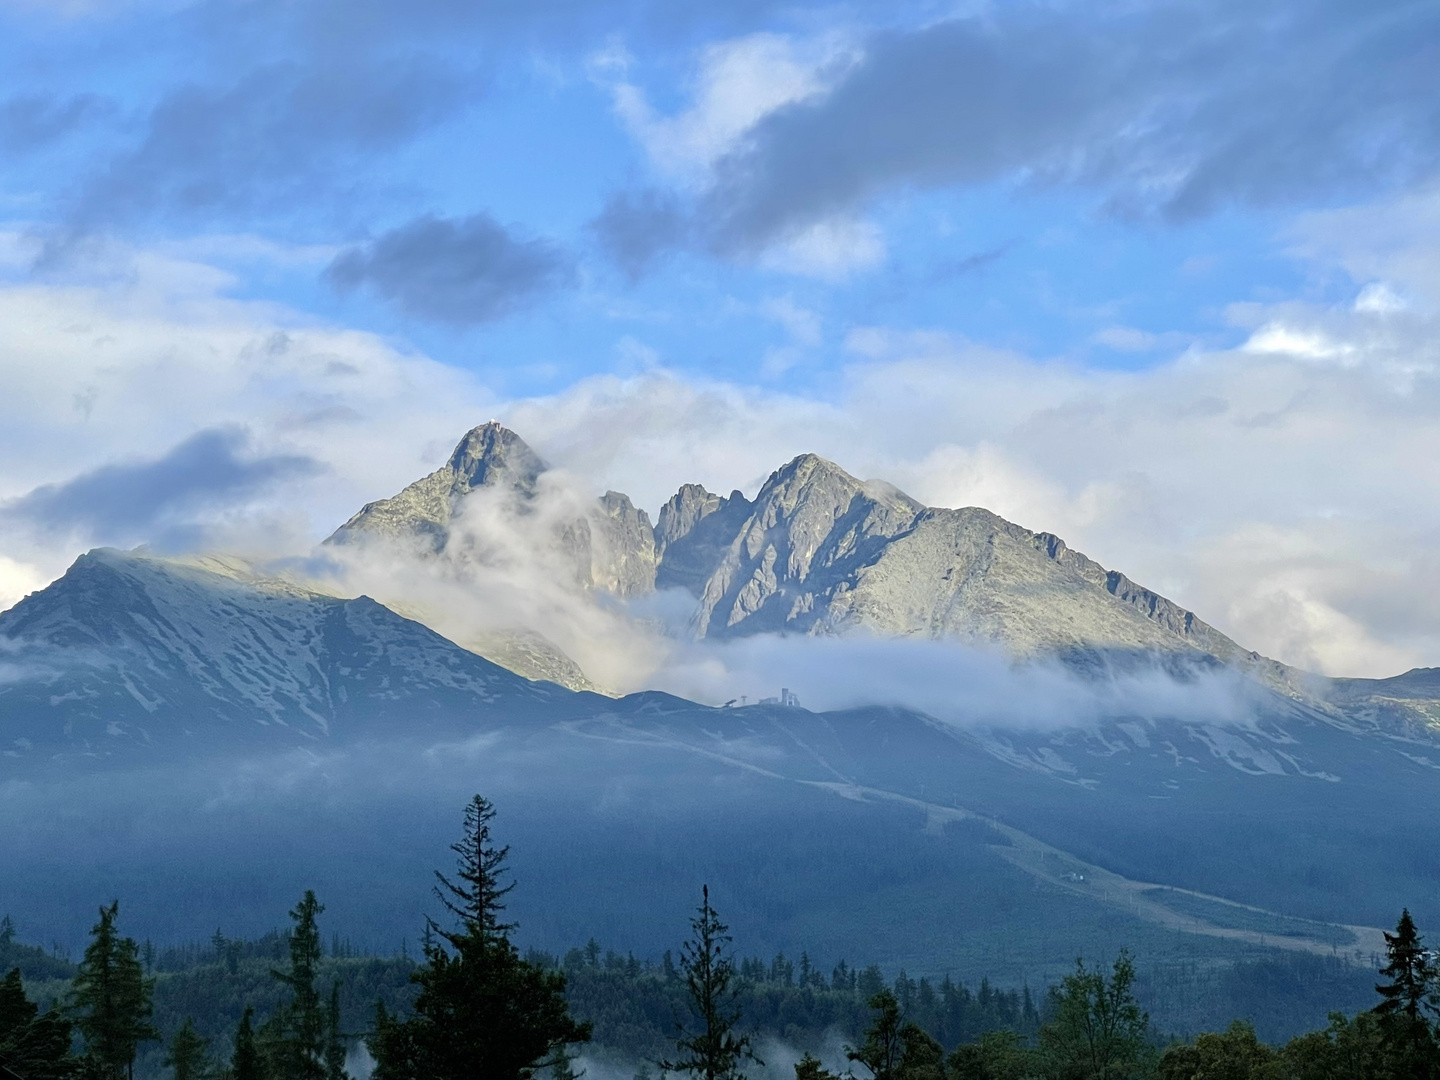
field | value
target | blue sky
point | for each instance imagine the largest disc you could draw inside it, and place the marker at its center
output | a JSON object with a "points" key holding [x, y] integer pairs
{"points": [[1159, 277]]}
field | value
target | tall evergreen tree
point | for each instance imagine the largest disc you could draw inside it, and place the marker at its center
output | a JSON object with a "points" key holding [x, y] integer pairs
{"points": [[712, 1051], [299, 1037], [481, 1010], [33, 1044], [1405, 1030], [188, 1054], [112, 999], [245, 1061]]}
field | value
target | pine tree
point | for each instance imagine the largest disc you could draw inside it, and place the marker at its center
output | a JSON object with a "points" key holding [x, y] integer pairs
{"points": [[1405, 1032], [187, 1054], [476, 899], [299, 1048], [245, 1061], [481, 1009], [713, 1051], [112, 999]]}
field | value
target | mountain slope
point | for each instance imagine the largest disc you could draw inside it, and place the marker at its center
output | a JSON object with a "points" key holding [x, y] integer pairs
{"points": [[128, 649]]}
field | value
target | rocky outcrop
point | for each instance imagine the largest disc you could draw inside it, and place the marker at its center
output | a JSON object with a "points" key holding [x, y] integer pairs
{"points": [[693, 534], [490, 455]]}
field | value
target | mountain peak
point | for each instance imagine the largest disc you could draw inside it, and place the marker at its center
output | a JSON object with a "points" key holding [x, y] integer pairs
{"points": [[492, 455], [489, 456]]}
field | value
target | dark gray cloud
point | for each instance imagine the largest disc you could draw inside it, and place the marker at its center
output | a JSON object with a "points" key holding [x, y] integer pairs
{"points": [[1175, 109], [463, 271], [123, 503], [29, 121], [637, 228], [274, 140]]}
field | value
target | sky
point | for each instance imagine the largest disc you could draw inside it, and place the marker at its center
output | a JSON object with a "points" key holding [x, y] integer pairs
{"points": [[1161, 278]]}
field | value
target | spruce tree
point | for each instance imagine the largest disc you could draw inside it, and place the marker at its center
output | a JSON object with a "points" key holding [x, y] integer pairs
{"points": [[187, 1055], [245, 1060], [481, 1010], [112, 999], [712, 1050], [299, 1043], [1405, 1031]]}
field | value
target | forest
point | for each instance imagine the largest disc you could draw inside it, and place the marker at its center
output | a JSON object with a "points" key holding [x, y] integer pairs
{"points": [[290, 1006]]}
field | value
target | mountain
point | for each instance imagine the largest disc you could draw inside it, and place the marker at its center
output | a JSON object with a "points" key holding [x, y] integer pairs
{"points": [[205, 739], [490, 456], [128, 650], [821, 552]]}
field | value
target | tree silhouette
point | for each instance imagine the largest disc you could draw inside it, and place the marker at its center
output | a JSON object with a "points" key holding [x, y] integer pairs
{"points": [[712, 1050]]}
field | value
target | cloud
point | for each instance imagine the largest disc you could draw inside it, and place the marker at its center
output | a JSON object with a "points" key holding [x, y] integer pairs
{"points": [[956, 684], [737, 83], [1284, 494], [830, 250], [636, 228], [126, 367], [463, 272], [124, 503], [29, 121], [1161, 108], [272, 141]]}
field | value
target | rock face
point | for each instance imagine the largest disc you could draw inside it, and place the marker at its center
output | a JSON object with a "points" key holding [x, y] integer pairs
{"points": [[488, 456]]}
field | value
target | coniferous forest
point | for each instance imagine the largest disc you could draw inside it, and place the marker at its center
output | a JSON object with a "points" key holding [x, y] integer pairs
{"points": [[291, 1005]]}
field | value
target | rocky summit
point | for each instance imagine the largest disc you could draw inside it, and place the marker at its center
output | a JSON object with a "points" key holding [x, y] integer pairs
{"points": [[818, 551], [821, 552]]}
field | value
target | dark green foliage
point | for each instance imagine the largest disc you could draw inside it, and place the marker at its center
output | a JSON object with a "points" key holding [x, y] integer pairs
{"points": [[245, 1058], [921, 1056], [33, 1044], [710, 1047], [882, 1049], [189, 1054], [34, 962], [481, 1010], [1346, 1050], [1234, 1054], [809, 1068], [112, 999], [334, 1038], [1404, 1002], [295, 1035], [1097, 1030], [996, 1055]]}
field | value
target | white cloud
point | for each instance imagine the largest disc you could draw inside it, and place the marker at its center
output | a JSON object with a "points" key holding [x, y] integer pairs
{"points": [[17, 579], [830, 250], [1293, 503], [129, 366], [736, 84], [1396, 243]]}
